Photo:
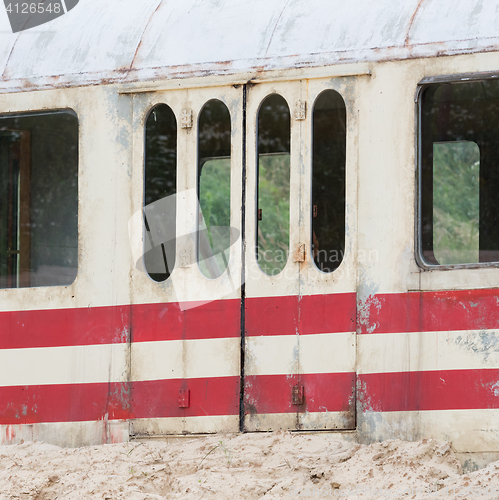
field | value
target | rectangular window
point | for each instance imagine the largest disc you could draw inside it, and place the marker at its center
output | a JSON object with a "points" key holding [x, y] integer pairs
{"points": [[38, 199], [459, 173]]}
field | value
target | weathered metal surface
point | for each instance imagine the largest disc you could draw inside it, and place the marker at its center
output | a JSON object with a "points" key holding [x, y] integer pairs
{"points": [[126, 41], [404, 369]]}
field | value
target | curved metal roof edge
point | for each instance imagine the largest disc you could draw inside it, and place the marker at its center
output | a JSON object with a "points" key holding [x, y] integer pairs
{"points": [[247, 70]]}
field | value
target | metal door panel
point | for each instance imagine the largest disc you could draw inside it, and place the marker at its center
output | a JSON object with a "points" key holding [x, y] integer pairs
{"points": [[185, 338], [300, 326]]}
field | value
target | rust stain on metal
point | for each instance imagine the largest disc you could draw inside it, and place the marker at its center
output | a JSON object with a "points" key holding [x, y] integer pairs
{"points": [[180, 72], [4, 75], [299, 253], [411, 21], [27, 85], [297, 395], [250, 409], [275, 26], [142, 35]]}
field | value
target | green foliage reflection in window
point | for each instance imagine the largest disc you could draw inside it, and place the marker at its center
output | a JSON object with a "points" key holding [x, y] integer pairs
{"points": [[456, 202], [214, 153]]}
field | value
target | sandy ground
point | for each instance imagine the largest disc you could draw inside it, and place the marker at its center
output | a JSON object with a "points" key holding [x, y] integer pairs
{"points": [[248, 466]]}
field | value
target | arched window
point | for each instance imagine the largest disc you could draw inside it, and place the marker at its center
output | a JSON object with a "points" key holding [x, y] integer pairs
{"points": [[214, 151], [328, 180], [274, 132], [160, 187]]}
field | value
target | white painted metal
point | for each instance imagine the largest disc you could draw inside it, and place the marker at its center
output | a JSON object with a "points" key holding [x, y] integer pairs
{"points": [[184, 359], [187, 283], [193, 425], [70, 434], [124, 40], [259, 284], [426, 351], [64, 365], [468, 430], [310, 421], [290, 354], [96, 42]]}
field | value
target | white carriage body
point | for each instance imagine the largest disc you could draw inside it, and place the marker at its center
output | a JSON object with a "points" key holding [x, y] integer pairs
{"points": [[104, 358]]}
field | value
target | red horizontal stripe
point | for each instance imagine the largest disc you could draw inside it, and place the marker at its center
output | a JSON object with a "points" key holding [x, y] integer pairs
{"points": [[64, 327], [217, 319], [208, 396], [401, 391], [334, 313], [63, 403], [271, 315], [430, 311], [109, 325], [90, 402], [322, 392], [431, 390], [384, 313], [308, 314]]}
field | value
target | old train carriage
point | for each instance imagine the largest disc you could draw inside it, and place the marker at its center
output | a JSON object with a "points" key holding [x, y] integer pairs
{"points": [[242, 216]]}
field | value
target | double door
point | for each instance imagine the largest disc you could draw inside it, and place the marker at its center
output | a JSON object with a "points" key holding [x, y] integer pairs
{"points": [[261, 275]]}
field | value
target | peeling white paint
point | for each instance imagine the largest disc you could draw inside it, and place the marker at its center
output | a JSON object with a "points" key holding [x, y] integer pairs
{"points": [[129, 41]]}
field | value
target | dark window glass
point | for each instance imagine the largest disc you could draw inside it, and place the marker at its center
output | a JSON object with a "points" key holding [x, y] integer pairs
{"points": [[274, 130], [460, 173], [214, 188], [160, 187], [38, 199], [328, 181]]}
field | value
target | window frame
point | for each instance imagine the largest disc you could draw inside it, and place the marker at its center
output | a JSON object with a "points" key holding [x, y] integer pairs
{"points": [[313, 104], [418, 232], [267, 95], [33, 112], [199, 170], [147, 115]]}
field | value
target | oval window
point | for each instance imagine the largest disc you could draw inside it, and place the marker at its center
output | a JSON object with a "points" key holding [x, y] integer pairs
{"points": [[274, 132], [160, 187], [328, 180], [214, 150]]}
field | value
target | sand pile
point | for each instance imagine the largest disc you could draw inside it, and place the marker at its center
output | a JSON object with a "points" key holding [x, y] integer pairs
{"points": [[248, 466]]}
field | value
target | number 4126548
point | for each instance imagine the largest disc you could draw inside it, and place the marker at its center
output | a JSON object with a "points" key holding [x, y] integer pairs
{"points": [[34, 8]]}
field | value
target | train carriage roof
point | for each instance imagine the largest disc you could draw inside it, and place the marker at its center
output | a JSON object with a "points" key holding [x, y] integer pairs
{"points": [[131, 40]]}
